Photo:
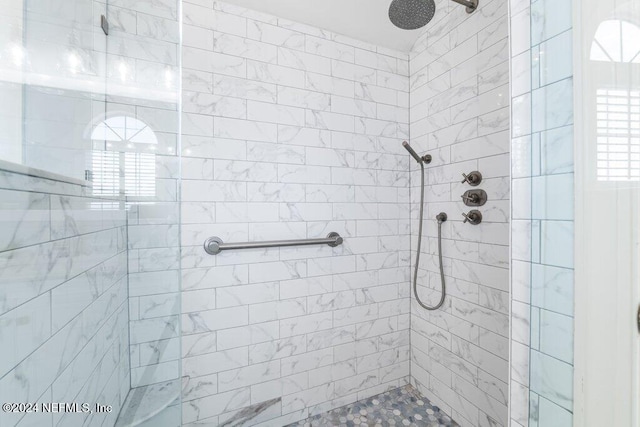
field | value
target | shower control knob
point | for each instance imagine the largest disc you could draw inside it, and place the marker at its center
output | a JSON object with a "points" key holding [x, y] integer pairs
{"points": [[474, 178], [475, 197], [474, 217], [472, 199]]}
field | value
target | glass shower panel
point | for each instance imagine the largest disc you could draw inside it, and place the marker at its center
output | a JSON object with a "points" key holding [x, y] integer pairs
{"points": [[136, 154], [584, 258], [89, 208], [63, 247]]}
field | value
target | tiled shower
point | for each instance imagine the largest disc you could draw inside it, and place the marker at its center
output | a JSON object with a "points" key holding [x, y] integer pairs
{"points": [[133, 131]]}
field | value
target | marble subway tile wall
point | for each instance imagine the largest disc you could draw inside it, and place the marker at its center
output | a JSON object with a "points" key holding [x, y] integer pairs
{"points": [[291, 132], [542, 228], [63, 299], [460, 115]]}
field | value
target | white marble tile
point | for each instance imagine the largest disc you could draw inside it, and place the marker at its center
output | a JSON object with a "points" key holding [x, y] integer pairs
{"points": [[212, 320], [329, 85], [244, 47], [229, 23], [556, 150], [243, 130], [37, 279], [195, 36], [330, 121], [275, 35], [552, 197], [210, 363], [205, 103], [25, 220], [549, 19], [203, 191], [264, 112], [521, 33], [205, 407], [557, 243], [249, 375], [551, 378], [244, 12], [353, 72], [25, 329], [552, 106], [243, 88], [556, 335], [553, 415], [275, 74]]}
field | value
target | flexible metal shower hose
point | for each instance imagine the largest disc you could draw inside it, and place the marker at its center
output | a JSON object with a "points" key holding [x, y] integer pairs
{"points": [[415, 274]]}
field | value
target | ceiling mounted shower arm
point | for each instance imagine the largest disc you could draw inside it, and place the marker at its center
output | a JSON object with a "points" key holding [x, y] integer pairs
{"points": [[471, 5]]}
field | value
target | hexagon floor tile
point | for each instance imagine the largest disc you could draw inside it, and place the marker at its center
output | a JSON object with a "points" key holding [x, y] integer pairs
{"points": [[403, 406]]}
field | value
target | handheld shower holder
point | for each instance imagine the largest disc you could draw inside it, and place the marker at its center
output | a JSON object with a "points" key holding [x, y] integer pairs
{"points": [[424, 159]]}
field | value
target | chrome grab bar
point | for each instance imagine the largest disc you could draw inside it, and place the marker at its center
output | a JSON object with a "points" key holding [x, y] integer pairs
{"points": [[215, 245]]}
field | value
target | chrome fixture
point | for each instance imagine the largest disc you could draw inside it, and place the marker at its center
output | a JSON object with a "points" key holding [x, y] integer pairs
{"points": [[441, 218], [215, 245], [474, 178], [475, 198], [424, 159], [470, 5], [474, 217], [414, 14]]}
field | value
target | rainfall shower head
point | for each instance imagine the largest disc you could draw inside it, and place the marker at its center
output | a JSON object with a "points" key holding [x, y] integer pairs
{"points": [[411, 14], [414, 14], [424, 159]]}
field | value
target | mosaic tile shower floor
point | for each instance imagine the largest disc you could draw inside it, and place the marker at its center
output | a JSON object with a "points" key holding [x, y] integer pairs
{"points": [[403, 406]]}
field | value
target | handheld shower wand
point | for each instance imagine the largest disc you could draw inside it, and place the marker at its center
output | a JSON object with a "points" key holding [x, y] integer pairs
{"points": [[424, 159], [442, 217]]}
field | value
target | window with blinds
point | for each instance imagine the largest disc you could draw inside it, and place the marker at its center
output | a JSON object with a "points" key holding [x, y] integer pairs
{"points": [[618, 135], [126, 167]]}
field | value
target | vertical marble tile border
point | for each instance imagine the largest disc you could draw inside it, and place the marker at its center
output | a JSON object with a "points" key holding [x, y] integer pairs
{"points": [[541, 374]]}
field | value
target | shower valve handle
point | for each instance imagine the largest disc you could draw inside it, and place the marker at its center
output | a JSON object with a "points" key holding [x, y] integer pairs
{"points": [[474, 178], [472, 198], [474, 217]]}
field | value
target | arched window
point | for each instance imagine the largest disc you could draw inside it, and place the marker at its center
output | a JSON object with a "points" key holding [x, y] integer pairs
{"points": [[617, 42], [127, 165]]}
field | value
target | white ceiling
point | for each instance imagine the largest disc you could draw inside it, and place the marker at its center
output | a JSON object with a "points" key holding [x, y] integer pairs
{"points": [[366, 20]]}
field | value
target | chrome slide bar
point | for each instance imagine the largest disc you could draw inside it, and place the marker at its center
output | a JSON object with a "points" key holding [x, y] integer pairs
{"points": [[215, 245]]}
